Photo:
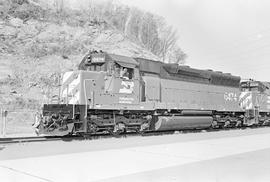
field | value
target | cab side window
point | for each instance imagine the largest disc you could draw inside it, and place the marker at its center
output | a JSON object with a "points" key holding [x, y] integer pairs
{"points": [[126, 73], [117, 70]]}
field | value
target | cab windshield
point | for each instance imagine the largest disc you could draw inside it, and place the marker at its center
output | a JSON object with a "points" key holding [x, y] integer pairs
{"points": [[96, 67]]}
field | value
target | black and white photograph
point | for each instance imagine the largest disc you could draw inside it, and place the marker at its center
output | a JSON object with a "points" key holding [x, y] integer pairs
{"points": [[134, 91]]}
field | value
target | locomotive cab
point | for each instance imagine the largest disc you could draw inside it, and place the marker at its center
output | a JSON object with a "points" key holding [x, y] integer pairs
{"points": [[103, 81]]}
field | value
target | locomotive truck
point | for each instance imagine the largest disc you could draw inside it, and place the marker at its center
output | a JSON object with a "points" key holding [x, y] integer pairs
{"points": [[113, 93]]}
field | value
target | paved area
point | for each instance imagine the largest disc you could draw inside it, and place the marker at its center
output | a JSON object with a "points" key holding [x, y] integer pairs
{"points": [[225, 156], [244, 167]]}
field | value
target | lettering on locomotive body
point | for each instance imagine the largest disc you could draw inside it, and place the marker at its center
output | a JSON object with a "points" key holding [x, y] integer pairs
{"points": [[230, 96], [127, 87], [126, 100]]}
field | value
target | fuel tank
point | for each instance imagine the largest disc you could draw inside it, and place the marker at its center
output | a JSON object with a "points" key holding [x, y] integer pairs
{"points": [[165, 123]]}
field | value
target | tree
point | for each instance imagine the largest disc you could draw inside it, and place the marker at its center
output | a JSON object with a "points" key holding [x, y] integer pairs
{"points": [[176, 55]]}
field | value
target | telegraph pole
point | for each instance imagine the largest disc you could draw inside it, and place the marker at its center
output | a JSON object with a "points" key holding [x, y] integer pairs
{"points": [[4, 121]]}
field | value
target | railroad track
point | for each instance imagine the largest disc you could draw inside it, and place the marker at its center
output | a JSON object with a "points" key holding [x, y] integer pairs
{"points": [[29, 139], [13, 140]]}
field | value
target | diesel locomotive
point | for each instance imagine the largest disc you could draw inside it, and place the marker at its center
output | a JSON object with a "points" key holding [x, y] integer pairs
{"points": [[112, 94]]}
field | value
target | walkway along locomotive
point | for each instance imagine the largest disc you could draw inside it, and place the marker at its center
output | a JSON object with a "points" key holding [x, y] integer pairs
{"points": [[114, 93]]}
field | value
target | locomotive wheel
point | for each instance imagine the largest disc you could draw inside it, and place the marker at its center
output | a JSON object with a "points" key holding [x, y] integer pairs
{"points": [[266, 122], [238, 124], [118, 129], [92, 128], [115, 133], [143, 128], [140, 131], [227, 123], [214, 124]]}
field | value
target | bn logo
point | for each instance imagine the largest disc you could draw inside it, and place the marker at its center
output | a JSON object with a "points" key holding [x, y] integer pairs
{"points": [[127, 87]]}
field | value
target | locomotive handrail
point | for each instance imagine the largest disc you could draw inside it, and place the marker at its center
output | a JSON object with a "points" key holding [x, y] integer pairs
{"points": [[85, 97]]}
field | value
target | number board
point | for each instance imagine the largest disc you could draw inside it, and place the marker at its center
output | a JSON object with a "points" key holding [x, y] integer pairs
{"points": [[98, 59]]}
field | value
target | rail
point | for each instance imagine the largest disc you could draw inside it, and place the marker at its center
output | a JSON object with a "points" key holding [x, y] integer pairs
{"points": [[13, 140], [28, 139]]}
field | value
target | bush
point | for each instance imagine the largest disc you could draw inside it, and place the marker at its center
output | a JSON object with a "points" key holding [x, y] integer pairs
{"points": [[28, 11], [21, 9], [18, 103]]}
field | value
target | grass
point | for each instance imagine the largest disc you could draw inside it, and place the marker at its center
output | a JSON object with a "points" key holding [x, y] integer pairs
{"points": [[19, 122]]}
